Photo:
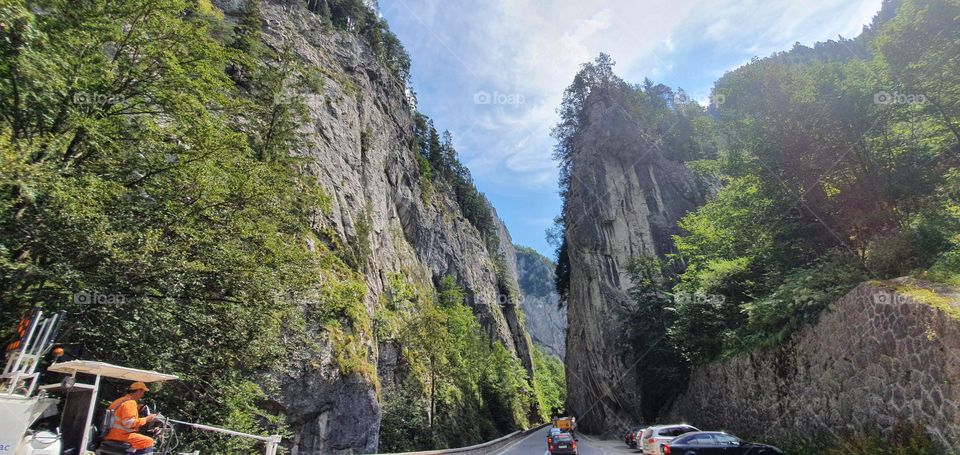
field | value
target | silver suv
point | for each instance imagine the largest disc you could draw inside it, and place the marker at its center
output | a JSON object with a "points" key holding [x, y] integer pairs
{"points": [[653, 438]]}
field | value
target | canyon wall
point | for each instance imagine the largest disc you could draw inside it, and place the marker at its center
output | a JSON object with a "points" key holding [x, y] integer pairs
{"points": [[546, 321], [624, 201], [360, 148]]}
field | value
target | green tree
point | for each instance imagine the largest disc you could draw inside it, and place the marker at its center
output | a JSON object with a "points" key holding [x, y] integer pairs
{"points": [[125, 169]]}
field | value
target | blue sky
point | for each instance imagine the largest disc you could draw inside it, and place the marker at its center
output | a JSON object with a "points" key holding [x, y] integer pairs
{"points": [[493, 71]]}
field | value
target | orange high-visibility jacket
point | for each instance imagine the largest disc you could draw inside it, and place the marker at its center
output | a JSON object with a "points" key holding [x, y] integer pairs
{"points": [[126, 422]]}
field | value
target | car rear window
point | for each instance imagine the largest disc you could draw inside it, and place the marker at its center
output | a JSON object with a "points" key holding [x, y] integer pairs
{"points": [[563, 438]]}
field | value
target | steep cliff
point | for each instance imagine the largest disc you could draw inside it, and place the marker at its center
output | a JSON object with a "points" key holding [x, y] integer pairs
{"points": [[546, 321], [624, 200], [360, 149], [879, 357]]}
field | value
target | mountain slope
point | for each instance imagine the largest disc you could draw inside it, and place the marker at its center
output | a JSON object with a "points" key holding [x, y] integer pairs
{"points": [[359, 149], [546, 321]]}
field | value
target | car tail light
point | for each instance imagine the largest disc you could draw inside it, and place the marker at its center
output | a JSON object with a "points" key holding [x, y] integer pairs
{"points": [[574, 445], [666, 449]]}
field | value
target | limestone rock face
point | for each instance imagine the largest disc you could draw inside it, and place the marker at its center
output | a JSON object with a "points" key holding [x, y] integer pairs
{"points": [[875, 359], [625, 200], [359, 141], [546, 321]]}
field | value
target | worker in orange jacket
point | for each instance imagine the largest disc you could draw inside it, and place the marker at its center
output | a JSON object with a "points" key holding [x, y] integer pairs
{"points": [[127, 420]]}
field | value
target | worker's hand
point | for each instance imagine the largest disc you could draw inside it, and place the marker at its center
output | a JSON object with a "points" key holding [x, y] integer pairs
{"points": [[151, 418]]}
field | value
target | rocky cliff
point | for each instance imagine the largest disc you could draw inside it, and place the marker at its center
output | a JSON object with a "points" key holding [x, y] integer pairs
{"points": [[877, 358], [624, 200], [359, 147], [546, 321]]}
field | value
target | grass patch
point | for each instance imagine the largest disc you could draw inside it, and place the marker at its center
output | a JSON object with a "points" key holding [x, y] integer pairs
{"points": [[923, 294], [902, 440]]}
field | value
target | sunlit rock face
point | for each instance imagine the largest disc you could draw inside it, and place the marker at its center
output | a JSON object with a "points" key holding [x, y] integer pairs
{"points": [[359, 148], [625, 200]]}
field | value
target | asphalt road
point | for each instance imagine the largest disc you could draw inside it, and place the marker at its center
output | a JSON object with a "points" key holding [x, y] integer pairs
{"points": [[536, 444]]}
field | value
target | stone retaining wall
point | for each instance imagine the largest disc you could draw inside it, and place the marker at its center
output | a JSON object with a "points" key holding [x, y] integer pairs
{"points": [[877, 358]]}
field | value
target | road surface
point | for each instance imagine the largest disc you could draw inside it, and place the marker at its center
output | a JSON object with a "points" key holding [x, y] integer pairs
{"points": [[536, 444]]}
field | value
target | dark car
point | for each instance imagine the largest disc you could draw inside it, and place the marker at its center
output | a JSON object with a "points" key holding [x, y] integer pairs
{"points": [[630, 437], [563, 443], [715, 443]]}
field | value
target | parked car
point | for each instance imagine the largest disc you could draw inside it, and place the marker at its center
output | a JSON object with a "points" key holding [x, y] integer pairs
{"points": [[630, 437], [562, 443], [638, 436], [715, 443], [654, 438]]}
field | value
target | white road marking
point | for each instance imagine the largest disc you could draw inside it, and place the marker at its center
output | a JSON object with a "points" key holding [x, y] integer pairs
{"points": [[507, 448]]}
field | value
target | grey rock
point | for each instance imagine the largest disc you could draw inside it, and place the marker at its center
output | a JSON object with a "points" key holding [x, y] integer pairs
{"points": [[625, 200], [423, 238], [546, 321]]}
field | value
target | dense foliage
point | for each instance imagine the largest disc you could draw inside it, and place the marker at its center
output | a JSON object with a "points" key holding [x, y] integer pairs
{"points": [[356, 17], [441, 167], [132, 166], [839, 164], [455, 387], [838, 168], [145, 159], [550, 383]]}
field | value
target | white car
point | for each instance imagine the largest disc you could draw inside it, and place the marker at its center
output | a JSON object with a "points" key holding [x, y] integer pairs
{"points": [[653, 438]]}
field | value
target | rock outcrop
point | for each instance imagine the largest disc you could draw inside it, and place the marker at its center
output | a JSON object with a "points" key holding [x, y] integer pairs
{"points": [[359, 149], [876, 359], [624, 201], [546, 321]]}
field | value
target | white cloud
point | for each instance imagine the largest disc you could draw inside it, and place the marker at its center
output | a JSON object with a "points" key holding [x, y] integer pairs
{"points": [[533, 48]]}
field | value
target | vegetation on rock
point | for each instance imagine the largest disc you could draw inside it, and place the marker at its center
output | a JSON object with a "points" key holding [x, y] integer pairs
{"points": [[145, 155], [456, 388], [839, 164]]}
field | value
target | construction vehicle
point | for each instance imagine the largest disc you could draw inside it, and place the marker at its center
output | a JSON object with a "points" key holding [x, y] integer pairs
{"points": [[27, 410], [565, 424]]}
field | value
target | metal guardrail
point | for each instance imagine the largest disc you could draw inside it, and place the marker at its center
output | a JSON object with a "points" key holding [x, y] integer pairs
{"points": [[272, 442], [480, 449]]}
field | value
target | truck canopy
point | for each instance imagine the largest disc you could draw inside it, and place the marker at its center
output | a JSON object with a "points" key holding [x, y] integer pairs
{"points": [[109, 371]]}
